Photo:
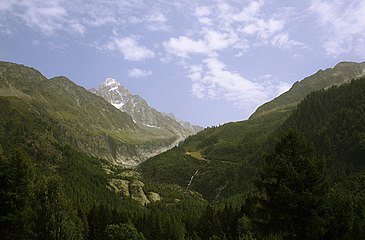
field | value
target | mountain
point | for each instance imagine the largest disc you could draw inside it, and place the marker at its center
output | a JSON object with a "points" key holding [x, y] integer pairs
{"points": [[54, 185], [223, 160], [86, 121], [115, 93], [342, 73]]}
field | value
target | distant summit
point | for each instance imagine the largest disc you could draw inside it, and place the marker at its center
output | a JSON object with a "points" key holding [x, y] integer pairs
{"points": [[142, 114]]}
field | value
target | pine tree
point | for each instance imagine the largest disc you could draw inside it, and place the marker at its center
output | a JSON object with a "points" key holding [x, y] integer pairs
{"points": [[122, 231], [55, 217], [16, 194], [293, 190]]}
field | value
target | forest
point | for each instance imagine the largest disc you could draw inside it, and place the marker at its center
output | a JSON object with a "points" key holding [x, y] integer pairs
{"points": [[303, 180]]}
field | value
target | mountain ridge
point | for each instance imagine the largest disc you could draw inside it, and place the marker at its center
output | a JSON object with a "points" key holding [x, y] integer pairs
{"points": [[90, 123], [233, 150], [342, 72], [120, 97]]}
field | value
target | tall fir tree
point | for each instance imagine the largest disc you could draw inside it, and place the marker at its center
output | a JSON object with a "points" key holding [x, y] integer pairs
{"points": [[293, 191]]}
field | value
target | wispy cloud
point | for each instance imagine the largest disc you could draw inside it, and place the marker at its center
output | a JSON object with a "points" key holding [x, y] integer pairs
{"points": [[46, 16], [139, 73], [223, 27], [233, 28], [343, 25], [212, 80], [156, 21], [212, 42], [130, 48]]}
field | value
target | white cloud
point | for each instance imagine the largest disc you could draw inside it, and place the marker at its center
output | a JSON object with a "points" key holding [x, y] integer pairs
{"points": [[183, 46], [282, 40], [213, 80], [343, 25], [249, 12], [79, 28], [252, 24], [212, 42], [202, 11], [7, 5], [130, 48], [139, 73], [217, 40], [45, 16], [263, 29], [282, 87]]}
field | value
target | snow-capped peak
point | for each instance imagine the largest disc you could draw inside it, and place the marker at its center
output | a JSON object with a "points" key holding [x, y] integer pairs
{"points": [[110, 82]]}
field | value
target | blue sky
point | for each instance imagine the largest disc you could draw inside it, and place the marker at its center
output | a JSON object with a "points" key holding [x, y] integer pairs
{"points": [[208, 62]]}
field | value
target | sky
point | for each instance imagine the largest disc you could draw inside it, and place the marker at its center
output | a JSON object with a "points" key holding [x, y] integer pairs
{"points": [[206, 61]]}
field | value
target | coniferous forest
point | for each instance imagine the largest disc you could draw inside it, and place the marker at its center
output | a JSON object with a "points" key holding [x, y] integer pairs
{"points": [[294, 173]]}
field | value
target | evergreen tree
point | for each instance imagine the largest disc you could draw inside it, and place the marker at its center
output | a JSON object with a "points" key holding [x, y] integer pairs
{"points": [[293, 190], [122, 231], [16, 193], [55, 216]]}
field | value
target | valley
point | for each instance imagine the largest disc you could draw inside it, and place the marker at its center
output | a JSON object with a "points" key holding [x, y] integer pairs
{"points": [[76, 162]]}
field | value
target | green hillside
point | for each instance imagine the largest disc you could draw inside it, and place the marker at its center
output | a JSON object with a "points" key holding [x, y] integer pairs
{"points": [[90, 123], [342, 73], [231, 154], [292, 172]]}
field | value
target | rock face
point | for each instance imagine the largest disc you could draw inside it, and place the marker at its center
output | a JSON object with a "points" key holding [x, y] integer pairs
{"points": [[154, 197], [133, 189], [115, 93], [137, 193]]}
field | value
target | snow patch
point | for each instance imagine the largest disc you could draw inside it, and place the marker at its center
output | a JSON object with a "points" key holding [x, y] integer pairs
{"points": [[113, 89], [151, 126], [118, 105], [111, 81]]}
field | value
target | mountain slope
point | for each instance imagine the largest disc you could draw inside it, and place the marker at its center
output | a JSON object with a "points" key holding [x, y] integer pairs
{"points": [[232, 153], [115, 93], [334, 120], [342, 73], [89, 122]]}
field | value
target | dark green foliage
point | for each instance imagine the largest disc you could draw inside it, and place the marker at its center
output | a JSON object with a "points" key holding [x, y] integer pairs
{"points": [[68, 198], [320, 80], [164, 167], [55, 216], [16, 194], [339, 216], [161, 224], [84, 179], [293, 189], [230, 156], [353, 189], [334, 120], [122, 232]]}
